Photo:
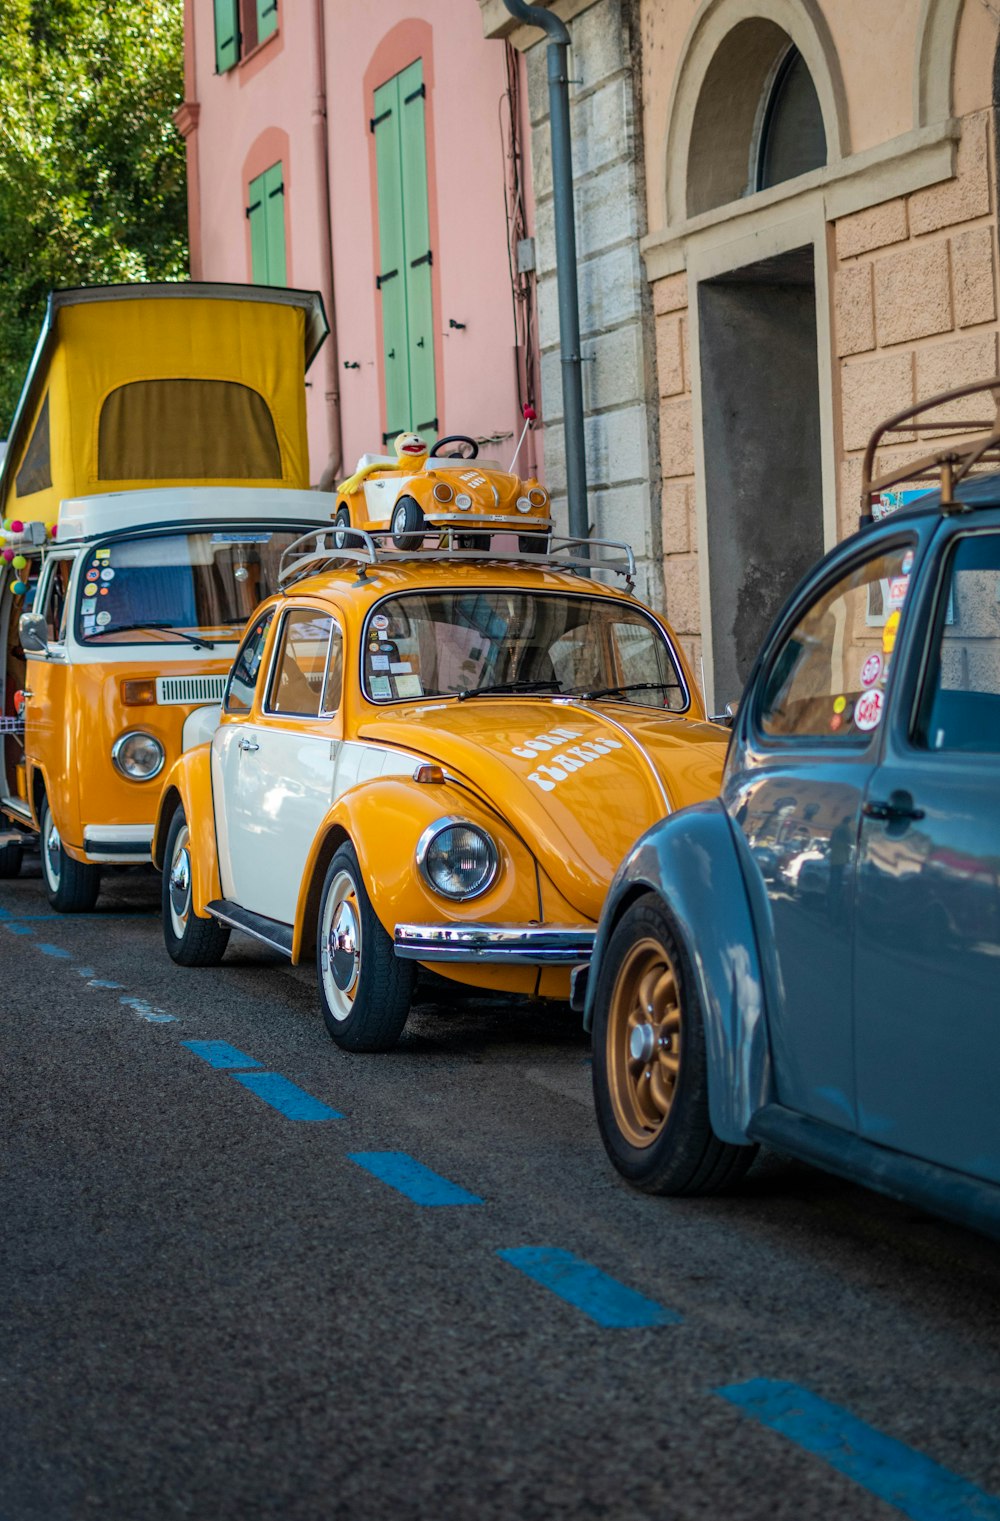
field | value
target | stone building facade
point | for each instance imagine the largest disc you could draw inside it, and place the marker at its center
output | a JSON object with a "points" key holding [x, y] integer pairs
{"points": [[787, 214]]}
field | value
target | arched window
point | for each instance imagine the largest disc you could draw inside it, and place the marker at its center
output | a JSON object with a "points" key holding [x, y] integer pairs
{"points": [[791, 139]]}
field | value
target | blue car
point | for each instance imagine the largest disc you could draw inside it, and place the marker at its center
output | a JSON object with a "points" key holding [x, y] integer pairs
{"points": [[812, 960]]}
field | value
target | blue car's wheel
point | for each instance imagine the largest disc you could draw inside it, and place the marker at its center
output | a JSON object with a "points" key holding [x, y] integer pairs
{"points": [[650, 1077]]}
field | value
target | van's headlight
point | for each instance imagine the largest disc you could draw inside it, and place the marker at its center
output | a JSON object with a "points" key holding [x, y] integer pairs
{"points": [[457, 859], [138, 755]]}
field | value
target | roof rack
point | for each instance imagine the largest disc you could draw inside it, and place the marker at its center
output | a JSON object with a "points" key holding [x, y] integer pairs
{"points": [[327, 547], [945, 466]]}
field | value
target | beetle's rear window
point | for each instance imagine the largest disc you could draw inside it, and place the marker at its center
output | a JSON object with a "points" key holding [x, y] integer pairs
{"points": [[450, 642]]}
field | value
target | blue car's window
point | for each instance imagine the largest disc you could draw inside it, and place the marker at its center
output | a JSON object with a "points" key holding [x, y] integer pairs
{"points": [[828, 679], [961, 706]]}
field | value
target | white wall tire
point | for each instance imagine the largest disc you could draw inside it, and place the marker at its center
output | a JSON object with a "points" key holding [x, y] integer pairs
{"points": [[190, 941], [364, 989], [70, 886]]}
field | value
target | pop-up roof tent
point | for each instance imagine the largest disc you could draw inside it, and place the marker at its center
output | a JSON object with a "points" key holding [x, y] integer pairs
{"points": [[136, 386]]}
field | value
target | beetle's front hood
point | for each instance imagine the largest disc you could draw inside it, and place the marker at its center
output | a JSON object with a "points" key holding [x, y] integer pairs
{"points": [[579, 782]]}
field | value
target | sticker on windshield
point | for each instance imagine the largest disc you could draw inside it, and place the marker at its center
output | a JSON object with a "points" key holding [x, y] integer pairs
{"points": [[889, 633], [241, 538], [898, 587], [907, 564], [871, 670], [839, 704], [90, 590], [380, 621], [409, 686], [868, 710], [380, 686], [93, 573], [107, 574], [380, 662], [103, 618], [102, 554]]}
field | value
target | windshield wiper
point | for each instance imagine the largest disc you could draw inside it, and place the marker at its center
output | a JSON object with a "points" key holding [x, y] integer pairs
{"points": [[629, 686], [509, 686], [198, 640]]}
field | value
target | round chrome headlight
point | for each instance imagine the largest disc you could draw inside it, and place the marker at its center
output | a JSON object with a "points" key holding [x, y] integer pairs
{"points": [[537, 497], [463, 500], [138, 755], [523, 505], [457, 859], [443, 492]]}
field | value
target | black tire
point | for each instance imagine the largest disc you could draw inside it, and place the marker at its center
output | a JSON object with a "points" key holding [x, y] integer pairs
{"points": [[472, 541], [190, 941], [408, 524], [11, 857], [366, 994], [70, 886], [677, 1152], [533, 543], [341, 519]]}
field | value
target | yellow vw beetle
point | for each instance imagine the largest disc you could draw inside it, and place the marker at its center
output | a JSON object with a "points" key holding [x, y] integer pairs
{"points": [[429, 759]]}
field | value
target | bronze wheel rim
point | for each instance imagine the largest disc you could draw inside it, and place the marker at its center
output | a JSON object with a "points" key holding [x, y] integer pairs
{"points": [[644, 1042]]}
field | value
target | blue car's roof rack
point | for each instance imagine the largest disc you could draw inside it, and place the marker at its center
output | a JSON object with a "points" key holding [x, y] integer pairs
{"points": [[945, 466]]}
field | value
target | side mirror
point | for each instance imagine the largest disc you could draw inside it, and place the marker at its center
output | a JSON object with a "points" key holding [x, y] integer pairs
{"points": [[726, 718], [34, 633]]}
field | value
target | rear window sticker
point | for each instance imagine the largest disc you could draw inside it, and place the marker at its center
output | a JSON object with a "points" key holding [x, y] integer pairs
{"points": [[868, 710], [871, 670]]}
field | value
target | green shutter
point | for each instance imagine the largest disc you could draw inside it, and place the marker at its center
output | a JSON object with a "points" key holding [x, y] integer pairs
{"points": [[266, 212], [227, 34], [267, 18], [419, 254], [392, 259]]}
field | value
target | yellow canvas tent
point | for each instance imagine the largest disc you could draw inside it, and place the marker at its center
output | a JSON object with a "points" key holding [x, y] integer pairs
{"points": [[135, 386]]}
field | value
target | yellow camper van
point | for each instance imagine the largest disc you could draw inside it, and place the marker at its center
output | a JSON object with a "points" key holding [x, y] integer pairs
{"points": [[156, 470]]}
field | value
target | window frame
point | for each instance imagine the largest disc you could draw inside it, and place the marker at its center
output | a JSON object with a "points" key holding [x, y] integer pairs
{"points": [[323, 714], [829, 743], [931, 636], [265, 620], [766, 112]]}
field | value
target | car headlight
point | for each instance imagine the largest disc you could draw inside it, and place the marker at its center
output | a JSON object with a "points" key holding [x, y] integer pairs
{"points": [[443, 492], [457, 859], [138, 755], [537, 497], [463, 500], [523, 505]]}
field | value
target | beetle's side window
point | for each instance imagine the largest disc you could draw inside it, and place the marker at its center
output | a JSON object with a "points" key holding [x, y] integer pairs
{"points": [[299, 671], [960, 706], [242, 681], [829, 677]]}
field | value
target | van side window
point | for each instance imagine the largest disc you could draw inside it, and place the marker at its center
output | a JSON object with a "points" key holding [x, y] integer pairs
{"points": [[242, 681], [56, 603]]}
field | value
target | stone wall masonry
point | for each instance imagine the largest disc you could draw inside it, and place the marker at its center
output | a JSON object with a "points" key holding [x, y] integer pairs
{"points": [[617, 336]]}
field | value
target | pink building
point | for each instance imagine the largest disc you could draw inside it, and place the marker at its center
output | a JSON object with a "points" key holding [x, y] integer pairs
{"points": [[353, 148]]}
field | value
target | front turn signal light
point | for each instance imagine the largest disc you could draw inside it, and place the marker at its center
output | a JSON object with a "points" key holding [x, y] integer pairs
{"points": [[138, 694]]}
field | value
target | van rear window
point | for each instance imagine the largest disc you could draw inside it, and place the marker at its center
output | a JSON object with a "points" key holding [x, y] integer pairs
{"points": [[170, 430]]}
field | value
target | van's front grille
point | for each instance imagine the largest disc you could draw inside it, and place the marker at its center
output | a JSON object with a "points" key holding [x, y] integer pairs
{"points": [[178, 689]]}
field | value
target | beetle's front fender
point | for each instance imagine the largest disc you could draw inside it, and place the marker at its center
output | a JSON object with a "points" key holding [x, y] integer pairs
{"points": [[383, 818], [690, 861], [189, 785]]}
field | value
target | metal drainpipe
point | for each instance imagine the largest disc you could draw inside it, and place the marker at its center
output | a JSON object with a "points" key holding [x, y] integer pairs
{"points": [[331, 376], [569, 305]]}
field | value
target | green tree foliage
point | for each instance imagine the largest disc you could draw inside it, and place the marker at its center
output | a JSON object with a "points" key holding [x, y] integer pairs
{"points": [[92, 182]]}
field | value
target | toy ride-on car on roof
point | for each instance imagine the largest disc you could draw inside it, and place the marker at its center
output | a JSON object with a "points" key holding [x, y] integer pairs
{"points": [[429, 758], [450, 494], [811, 961]]}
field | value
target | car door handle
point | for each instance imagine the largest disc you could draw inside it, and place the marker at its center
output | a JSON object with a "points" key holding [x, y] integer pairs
{"points": [[247, 744], [898, 806]]}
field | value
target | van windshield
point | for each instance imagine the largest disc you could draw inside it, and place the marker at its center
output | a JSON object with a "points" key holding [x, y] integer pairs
{"points": [[165, 587]]}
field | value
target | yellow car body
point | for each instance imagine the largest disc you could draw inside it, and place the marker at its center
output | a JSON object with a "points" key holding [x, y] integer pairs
{"points": [[408, 757], [453, 496], [156, 469]]}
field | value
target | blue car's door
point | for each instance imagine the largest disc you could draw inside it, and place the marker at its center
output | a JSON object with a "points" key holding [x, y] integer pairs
{"points": [[927, 1005], [795, 784]]}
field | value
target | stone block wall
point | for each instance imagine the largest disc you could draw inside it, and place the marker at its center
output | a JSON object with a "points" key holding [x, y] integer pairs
{"points": [[615, 304], [676, 508], [914, 303]]}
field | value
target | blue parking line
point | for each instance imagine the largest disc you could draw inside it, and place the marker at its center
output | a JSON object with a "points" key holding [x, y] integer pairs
{"points": [[601, 1298], [18, 929], [917, 1486], [219, 1054], [410, 1177], [55, 950], [290, 1100]]}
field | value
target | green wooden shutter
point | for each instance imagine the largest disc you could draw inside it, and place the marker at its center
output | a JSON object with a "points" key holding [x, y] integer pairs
{"points": [[227, 35], [266, 212], [419, 254], [392, 259], [267, 18]]}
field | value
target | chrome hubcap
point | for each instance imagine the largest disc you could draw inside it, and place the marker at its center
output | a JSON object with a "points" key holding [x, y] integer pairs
{"points": [[642, 1043], [53, 854], [344, 949], [340, 943]]}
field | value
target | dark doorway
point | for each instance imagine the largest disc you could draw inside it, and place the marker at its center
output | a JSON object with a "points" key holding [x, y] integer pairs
{"points": [[760, 409]]}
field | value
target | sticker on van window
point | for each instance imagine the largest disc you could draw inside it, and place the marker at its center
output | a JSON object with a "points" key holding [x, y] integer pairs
{"points": [[871, 670], [868, 710], [103, 618], [107, 574], [102, 554], [90, 590], [241, 538]]}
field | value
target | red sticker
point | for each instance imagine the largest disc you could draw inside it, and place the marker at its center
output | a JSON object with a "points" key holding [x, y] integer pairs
{"points": [[871, 670], [868, 710]]}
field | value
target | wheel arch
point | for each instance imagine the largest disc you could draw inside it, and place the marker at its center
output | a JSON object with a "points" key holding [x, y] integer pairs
{"points": [[189, 785], [690, 862], [327, 844]]}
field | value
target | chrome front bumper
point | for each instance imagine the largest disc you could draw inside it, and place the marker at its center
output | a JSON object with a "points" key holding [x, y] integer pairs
{"points": [[521, 944]]}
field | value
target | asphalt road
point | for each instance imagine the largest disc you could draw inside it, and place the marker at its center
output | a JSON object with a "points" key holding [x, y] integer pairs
{"points": [[211, 1309]]}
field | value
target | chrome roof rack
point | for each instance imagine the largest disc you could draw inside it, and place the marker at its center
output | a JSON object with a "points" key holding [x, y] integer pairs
{"points": [[327, 547], [944, 466]]}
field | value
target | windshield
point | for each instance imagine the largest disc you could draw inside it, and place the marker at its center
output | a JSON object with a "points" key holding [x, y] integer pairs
{"points": [[164, 588], [456, 643]]}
